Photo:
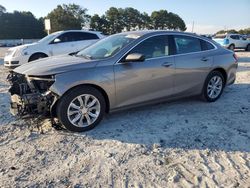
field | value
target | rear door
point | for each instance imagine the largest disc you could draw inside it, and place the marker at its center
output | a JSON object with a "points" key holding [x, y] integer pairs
{"points": [[193, 61], [235, 39], [138, 82]]}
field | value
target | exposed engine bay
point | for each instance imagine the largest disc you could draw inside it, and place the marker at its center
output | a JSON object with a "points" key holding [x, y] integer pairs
{"points": [[30, 95]]}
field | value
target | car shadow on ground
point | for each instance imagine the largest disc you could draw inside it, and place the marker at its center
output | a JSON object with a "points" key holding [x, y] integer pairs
{"points": [[186, 124]]}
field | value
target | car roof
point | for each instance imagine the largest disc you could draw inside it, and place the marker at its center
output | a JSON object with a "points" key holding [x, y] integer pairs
{"points": [[153, 32], [84, 31]]}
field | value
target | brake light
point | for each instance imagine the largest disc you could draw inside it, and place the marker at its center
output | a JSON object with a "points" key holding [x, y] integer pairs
{"points": [[226, 41], [235, 57]]}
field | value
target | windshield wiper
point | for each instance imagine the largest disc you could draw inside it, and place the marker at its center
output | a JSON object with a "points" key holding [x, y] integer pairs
{"points": [[86, 56]]}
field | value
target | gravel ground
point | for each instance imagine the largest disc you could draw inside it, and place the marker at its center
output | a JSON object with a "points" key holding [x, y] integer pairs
{"points": [[188, 143]]}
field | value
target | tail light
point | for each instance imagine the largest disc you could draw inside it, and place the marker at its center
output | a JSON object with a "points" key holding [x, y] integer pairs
{"points": [[226, 41], [235, 57]]}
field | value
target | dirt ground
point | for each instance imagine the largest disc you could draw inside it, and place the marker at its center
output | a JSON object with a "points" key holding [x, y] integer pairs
{"points": [[188, 143]]}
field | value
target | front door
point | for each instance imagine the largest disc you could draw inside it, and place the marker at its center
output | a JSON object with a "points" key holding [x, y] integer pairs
{"points": [[63, 44], [151, 79]]}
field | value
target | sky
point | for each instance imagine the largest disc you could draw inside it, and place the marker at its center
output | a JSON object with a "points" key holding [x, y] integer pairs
{"points": [[208, 16]]}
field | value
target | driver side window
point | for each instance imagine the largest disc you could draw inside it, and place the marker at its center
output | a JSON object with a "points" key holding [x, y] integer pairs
{"points": [[65, 37], [153, 47]]}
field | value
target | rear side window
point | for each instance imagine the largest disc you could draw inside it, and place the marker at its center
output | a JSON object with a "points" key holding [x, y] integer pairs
{"points": [[84, 36], [206, 45], [235, 37], [186, 44]]}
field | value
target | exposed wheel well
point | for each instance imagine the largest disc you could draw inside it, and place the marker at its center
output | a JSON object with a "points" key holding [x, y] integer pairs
{"points": [[231, 45], [223, 72], [53, 110], [37, 53]]}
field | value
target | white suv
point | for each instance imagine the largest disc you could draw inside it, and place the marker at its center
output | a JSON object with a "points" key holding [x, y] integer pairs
{"points": [[62, 42], [233, 41]]}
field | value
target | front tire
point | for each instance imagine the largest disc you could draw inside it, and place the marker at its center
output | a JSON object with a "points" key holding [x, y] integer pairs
{"points": [[81, 109], [214, 86], [248, 48], [231, 47]]}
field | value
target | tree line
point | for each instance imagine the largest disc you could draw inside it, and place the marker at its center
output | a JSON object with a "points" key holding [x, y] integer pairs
{"points": [[118, 19], [25, 25], [241, 31]]}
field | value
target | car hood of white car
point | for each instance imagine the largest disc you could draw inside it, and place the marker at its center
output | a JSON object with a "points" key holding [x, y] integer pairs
{"points": [[54, 65], [22, 46]]}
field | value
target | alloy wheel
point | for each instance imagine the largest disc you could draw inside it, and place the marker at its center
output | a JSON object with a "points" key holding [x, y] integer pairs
{"points": [[215, 86], [83, 110]]}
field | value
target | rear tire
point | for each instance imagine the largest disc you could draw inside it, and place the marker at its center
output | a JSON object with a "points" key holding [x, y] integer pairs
{"points": [[37, 56], [213, 86], [78, 111], [248, 48], [231, 47]]}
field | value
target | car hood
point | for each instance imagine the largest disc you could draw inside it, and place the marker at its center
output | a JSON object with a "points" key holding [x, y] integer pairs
{"points": [[23, 46], [54, 65]]}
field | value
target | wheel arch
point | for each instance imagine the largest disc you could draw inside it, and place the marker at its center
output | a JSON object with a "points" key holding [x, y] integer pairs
{"points": [[103, 92], [222, 71], [37, 53], [232, 44]]}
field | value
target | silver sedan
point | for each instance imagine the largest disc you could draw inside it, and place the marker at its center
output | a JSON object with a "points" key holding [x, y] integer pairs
{"points": [[118, 72]]}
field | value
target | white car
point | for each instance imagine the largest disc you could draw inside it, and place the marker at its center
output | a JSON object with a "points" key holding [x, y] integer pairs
{"points": [[233, 41], [62, 42]]}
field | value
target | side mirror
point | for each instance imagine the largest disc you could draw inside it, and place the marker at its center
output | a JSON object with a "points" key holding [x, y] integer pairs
{"points": [[57, 40], [135, 57]]}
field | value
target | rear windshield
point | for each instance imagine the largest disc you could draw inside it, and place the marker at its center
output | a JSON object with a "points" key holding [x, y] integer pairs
{"points": [[220, 36]]}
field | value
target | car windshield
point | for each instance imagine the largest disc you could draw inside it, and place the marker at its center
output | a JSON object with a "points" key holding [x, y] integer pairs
{"points": [[107, 47], [48, 37]]}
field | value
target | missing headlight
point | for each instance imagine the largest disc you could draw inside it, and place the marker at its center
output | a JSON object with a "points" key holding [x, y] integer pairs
{"points": [[42, 83]]}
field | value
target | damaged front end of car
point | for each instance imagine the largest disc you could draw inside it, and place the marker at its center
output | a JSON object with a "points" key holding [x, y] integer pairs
{"points": [[30, 95]]}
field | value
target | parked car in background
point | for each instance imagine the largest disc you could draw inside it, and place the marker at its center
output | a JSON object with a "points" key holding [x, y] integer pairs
{"points": [[121, 71], [233, 41], [62, 42], [207, 36]]}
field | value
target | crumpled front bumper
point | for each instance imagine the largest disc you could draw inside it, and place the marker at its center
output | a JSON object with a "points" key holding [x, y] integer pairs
{"points": [[28, 98]]}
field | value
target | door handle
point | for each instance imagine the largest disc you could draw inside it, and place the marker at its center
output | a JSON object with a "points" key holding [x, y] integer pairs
{"points": [[167, 64], [204, 59]]}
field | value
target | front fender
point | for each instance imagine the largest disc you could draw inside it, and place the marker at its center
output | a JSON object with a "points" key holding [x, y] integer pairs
{"points": [[103, 78]]}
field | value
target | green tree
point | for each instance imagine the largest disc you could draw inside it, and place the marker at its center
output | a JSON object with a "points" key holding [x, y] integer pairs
{"points": [[145, 21], [227, 31], [232, 31], [244, 31], [221, 32], [160, 19], [163, 20], [98, 23], [78, 12], [114, 17], [131, 18], [66, 17], [175, 22], [20, 25]]}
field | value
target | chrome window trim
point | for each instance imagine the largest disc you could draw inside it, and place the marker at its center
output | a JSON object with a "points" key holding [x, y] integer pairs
{"points": [[215, 47]]}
